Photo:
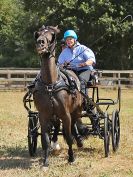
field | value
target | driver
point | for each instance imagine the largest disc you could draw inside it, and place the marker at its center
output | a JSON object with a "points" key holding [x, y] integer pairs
{"points": [[80, 58]]}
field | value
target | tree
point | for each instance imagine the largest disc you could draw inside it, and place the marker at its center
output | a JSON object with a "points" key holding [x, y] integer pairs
{"points": [[13, 24], [97, 24]]}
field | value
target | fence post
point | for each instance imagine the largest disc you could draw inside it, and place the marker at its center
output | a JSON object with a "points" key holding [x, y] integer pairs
{"points": [[119, 76], [8, 79], [25, 82], [114, 78], [131, 77]]}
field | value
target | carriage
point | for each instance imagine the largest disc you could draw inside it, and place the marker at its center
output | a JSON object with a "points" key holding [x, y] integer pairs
{"points": [[102, 123], [52, 96]]}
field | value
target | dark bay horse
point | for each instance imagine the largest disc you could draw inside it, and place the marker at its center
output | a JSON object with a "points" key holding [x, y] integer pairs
{"points": [[52, 96]]}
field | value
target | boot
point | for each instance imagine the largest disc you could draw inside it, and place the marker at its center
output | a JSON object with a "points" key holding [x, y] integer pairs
{"points": [[82, 128]]}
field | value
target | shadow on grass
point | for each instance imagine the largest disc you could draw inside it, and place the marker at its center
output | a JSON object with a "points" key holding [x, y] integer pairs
{"points": [[88, 151], [17, 157], [10, 163]]}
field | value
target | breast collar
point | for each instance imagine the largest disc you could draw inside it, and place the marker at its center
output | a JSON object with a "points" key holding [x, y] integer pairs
{"points": [[60, 84]]}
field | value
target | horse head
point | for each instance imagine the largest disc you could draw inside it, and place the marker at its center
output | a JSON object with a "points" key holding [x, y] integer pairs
{"points": [[46, 39]]}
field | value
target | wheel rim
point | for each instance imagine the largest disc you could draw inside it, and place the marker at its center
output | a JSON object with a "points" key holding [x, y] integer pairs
{"points": [[106, 134], [32, 136], [32, 144], [115, 130]]}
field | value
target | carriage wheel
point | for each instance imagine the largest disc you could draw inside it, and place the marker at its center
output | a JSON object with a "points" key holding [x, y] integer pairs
{"points": [[106, 134], [32, 136], [115, 130]]}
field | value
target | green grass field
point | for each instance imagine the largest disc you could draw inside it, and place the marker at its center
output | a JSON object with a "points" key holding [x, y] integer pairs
{"points": [[90, 161]]}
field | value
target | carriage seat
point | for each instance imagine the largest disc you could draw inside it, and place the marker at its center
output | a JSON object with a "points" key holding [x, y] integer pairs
{"points": [[93, 81]]}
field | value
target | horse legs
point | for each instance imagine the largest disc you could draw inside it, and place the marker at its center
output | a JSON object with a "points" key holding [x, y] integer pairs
{"points": [[45, 143], [76, 135], [68, 136]]}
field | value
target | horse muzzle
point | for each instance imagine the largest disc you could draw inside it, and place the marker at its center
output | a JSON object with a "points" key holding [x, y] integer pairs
{"points": [[41, 50]]}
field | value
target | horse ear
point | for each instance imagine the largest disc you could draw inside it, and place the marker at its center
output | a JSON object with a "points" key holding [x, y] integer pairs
{"points": [[55, 29], [42, 28], [36, 34]]}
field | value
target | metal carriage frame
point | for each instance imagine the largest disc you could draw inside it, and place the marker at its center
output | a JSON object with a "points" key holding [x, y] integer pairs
{"points": [[102, 123]]}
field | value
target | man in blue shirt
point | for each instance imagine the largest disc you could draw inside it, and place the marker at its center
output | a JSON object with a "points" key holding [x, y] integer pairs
{"points": [[78, 57]]}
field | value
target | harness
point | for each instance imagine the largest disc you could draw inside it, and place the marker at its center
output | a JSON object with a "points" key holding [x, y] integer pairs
{"points": [[64, 82]]}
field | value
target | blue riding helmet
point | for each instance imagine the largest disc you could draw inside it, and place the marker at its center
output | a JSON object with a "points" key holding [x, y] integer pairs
{"points": [[70, 33]]}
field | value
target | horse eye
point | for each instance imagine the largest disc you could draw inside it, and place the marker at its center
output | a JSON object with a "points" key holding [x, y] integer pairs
{"points": [[39, 41]]}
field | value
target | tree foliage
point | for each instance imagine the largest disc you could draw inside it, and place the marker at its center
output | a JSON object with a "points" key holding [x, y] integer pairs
{"points": [[98, 24]]}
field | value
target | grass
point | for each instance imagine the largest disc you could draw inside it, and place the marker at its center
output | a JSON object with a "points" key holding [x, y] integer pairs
{"points": [[90, 161]]}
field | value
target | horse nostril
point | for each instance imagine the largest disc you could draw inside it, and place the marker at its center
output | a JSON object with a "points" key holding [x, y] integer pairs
{"points": [[41, 42]]}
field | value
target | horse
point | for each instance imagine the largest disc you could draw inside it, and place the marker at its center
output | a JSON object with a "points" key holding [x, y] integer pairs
{"points": [[52, 96]]}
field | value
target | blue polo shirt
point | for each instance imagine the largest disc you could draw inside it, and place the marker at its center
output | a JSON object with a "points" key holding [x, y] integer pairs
{"points": [[78, 54]]}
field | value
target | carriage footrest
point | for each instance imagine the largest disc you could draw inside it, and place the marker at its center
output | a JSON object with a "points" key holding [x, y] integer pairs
{"points": [[104, 101]]}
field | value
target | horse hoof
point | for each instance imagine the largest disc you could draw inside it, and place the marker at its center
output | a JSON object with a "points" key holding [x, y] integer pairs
{"points": [[45, 164], [80, 143], [44, 168], [55, 146], [71, 160]]}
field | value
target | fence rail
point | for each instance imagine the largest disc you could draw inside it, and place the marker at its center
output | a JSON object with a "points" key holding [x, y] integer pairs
{"points": [[12, 78]]}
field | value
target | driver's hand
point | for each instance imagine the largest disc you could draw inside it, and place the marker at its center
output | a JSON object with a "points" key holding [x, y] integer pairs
{"points": [[82, 64], [66, 64]]}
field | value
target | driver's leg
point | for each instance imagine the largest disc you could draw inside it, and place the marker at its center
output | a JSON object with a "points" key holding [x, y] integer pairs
{"points": [[84, 77]]}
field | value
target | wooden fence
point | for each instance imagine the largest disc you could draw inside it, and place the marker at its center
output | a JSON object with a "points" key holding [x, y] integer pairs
{"points": [[11, 78]]}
